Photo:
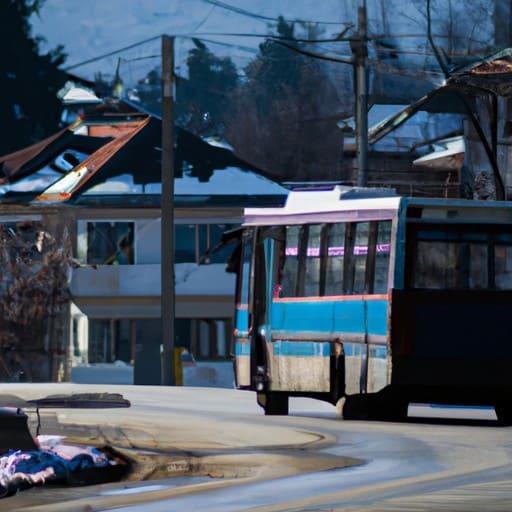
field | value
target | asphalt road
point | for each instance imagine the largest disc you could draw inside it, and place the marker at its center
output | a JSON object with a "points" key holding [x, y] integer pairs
{"points": [[213, 449]]}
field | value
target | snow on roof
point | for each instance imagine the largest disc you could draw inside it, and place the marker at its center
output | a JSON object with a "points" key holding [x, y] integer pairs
{"points": [[229, 181], [420, 127], [338, 199], [75, 94], [447, 148]]}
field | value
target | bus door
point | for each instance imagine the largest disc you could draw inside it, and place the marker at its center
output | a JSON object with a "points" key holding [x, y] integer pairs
{"points": [[332, 300], [299, 344], [241, 264]]}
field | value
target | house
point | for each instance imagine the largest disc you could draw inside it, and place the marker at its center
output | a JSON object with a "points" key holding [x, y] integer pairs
{"points": [[481, 92], [398, 157], [109, 203]]}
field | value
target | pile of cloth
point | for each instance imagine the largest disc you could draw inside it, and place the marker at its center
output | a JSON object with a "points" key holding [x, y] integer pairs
{"points": [[53, 461]]}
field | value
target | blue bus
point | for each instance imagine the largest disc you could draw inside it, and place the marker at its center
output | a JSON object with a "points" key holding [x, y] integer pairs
{"points": [[377, 299]]}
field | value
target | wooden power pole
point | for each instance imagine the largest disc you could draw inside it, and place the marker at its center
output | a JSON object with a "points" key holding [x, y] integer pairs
{"points": [[360, 52], [167, 215]]}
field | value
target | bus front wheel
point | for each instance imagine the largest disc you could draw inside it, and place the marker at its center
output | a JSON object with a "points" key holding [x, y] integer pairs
{"points": [[274, 404]]}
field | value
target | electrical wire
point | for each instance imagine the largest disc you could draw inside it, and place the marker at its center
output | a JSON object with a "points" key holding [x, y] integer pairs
{"points": [[203, 21], [277, 39], [110, 54], [312, 54], [253, 15], [338, 38]]}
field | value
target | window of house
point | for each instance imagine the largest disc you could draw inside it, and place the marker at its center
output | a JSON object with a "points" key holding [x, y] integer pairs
{"points": [[106, 242], [112, 242], [211, 338], [192, 241], [216, 230], [110, 340], [186, 243]]}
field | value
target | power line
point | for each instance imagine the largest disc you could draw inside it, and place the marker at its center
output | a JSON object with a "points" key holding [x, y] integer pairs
{"points": [[243, 12], [277, 39], [203, 21], [191, 36], [312, 54], [247, 49], [110, 54], [340, 37], [238, 10]]}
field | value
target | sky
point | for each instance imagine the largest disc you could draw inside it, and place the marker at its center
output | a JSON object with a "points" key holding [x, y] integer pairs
{"points": [[92, 28], [99, 35]]}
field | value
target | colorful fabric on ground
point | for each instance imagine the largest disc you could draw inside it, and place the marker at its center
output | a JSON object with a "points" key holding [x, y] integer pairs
{"points": [[20, 470]]}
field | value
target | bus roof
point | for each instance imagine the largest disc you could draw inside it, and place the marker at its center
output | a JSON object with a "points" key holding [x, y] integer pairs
{"points": [[324, 201], [352, 203]]}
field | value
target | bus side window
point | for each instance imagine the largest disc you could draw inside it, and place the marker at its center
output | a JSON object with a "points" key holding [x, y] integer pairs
{"points": [[348, 260], [335, 259], [291, 262], [301, 260], [503, 267], [362, 271], [313, 261], [301, 268], [380, 282]]}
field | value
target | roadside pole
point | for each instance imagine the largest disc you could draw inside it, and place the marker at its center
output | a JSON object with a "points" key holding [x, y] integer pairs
{"points": [[167, 215], [360, 51]]}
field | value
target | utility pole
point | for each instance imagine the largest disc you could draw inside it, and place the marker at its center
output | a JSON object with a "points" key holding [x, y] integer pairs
{"points": [[360, 51], [167, 215]]}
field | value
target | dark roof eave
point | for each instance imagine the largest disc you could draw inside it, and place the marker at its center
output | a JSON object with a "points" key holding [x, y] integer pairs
{"points": [[197, 201]]}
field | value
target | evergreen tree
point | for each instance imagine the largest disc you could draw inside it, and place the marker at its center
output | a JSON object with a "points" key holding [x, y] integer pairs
{"points": [[29, 110], [283, 120], [201, 100]]}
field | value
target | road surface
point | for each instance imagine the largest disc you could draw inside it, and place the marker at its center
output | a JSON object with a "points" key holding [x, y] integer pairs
{"points": [[213, 449]]}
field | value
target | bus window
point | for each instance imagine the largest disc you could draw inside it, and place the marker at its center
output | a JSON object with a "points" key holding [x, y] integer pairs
{"points": [[334, 264], [360, 258], [312, 262], [290, 265], [380, 280], [453, 260], [336, 259], [503, 267], [474, 261], [436, 265], [245, 262]]}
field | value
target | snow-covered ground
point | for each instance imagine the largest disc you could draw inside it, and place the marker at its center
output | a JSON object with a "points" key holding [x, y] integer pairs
{"points": [[217, 374]]}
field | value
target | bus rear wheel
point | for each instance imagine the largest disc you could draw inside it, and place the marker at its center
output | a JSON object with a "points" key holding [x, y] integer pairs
{"points": [[273, 403], [504, 412], [375, 406]]}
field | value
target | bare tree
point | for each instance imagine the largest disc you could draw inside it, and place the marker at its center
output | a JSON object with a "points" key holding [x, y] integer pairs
{"points": [[34, 295], [459, 30]]}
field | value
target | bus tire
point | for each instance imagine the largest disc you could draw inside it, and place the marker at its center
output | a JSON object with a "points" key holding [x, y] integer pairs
{"points": [[503, 412], [355, 407], [375, 407], [274, 404]]}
